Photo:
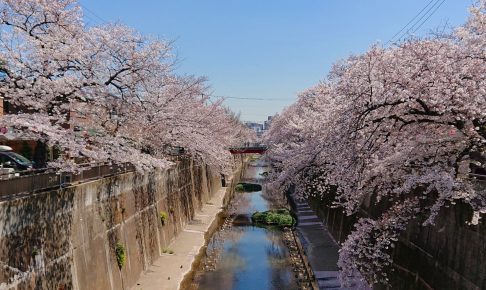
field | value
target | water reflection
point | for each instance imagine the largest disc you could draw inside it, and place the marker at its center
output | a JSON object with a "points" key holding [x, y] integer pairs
{"points": [[242, 256], [257, 260]]}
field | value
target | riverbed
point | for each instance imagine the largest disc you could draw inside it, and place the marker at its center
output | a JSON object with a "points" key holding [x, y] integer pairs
{"points": [[242, 256]]}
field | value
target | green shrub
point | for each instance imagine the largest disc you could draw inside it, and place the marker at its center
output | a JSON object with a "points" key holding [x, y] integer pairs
{"points": [[120, 255], [254, 158], [279, 217], [167, 251], [164, 216], [248, 187], [283, 211]]}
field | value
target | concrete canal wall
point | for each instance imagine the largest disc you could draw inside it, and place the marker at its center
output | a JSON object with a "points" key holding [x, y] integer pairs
{"points": [[450, 255], [67, 238]]}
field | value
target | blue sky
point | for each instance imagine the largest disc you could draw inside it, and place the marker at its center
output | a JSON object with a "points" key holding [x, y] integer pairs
{"points": [[269, 49]]}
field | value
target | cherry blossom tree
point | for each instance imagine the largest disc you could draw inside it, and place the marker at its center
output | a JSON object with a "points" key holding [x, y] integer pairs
{"points": [[402, 128], [103, 93]]}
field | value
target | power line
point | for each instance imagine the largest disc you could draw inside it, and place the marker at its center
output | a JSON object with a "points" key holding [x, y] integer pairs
{"points": [[425, 15], [92, 13], [428, 13], [89, 20], [422, 17], [408, 23], [260, 99], [433, 12], [255, 99]]}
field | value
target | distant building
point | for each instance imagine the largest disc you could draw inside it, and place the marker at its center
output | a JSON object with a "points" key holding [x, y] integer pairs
{"points": [[258, 127], [267, 123]]}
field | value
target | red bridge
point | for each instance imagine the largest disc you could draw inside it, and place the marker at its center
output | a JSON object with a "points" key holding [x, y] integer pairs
{"points": [[260, 149]]}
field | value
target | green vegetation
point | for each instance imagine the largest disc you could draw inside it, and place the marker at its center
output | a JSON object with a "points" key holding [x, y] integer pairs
{"points": [[248, 187], [163, 217], [167, 251], [120, 255], [254, 157], [278, 217]]}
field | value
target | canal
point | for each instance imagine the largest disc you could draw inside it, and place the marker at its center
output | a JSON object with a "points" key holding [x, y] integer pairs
{"points": [[241, 256]]}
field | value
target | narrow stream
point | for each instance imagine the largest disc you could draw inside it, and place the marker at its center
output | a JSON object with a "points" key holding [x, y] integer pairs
{"points": [[242, 256]]}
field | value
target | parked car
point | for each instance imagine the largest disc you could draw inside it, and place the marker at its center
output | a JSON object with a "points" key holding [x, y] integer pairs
{"points": [[10, 159]]}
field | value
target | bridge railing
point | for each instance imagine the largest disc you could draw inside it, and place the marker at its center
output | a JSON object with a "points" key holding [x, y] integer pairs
{"points": [[248, 148]]}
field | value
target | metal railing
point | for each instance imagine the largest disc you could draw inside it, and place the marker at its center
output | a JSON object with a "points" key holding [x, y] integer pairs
{"points": [[248, 148], [45, 179], [33, 181]]}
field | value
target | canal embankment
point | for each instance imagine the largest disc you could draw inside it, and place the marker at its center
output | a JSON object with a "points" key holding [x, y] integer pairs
{"points": [[243, 256], [320, 248], [176, 262], [106, 232], [449, 255]]}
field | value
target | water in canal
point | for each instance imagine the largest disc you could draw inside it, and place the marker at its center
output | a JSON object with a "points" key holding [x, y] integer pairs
{"points": [[244, 257]]}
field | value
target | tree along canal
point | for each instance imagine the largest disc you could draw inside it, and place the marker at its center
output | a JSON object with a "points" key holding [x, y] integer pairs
{"points": [[246, 257]]}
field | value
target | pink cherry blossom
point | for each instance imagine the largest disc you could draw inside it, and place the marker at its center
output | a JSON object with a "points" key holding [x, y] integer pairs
{"points": [[105, 93], [398, 128]]}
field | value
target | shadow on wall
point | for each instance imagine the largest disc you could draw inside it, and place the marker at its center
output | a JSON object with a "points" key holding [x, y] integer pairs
{"points": [[449, 255], [76, 237], [35, 238]]}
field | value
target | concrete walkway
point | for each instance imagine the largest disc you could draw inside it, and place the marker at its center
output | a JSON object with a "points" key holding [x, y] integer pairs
{"points": [[321, 249], [169, 270]]}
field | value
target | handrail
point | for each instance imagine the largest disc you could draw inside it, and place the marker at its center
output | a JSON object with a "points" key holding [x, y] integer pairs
{"points": [[50, 178], [248, 147]]}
